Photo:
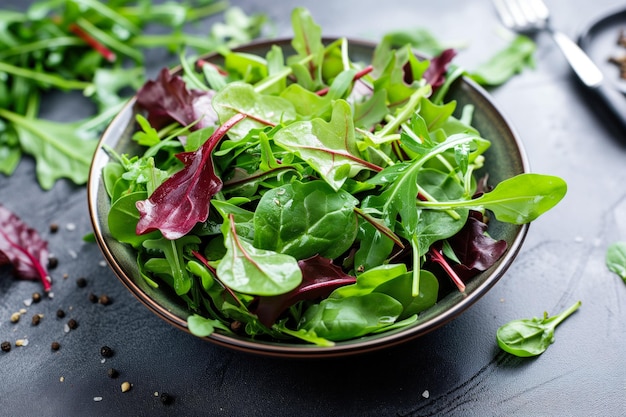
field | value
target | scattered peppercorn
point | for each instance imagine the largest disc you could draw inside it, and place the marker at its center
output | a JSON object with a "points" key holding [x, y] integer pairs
{"points": [[106, 352], [72, 324], [36, 319], [126, 386], [36, 297], [54, 227], [104, 300], [55, 346], [113, 373], [53, 262], [60, 313], [81, 282], [5, 346], [93, 297], [166, 398]]}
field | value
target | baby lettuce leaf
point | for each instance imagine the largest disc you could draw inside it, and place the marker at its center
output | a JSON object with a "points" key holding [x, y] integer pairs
{"points": [[254, 271], [23, 248], [319, 278], [307, 40], [329, 148], [184, 199], [350, 317], [168, 99], [435, 75], [305, 219]]}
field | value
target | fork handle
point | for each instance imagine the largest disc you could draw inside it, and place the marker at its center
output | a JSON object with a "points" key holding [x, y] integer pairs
{"points": [[585, 68]]}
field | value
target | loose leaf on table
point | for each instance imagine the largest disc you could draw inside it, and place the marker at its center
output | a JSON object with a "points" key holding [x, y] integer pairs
{"points": [[506, 63], [23, 248], [328, 147], [61, 150], [254, 271], [616, 259], [305, 219], [183, 200], [531, 337], [319, 278]]}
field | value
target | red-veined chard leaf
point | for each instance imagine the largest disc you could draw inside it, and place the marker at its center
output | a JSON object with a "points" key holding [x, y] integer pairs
{"points": [[261, 110], [168, 99], [249, 270], [319, 278], [307, 39], [184, 199], [436, 72], [329, 148], [23, 248]]}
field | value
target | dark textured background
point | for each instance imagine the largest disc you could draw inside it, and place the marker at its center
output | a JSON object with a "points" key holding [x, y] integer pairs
{"points": [[582, 374]]}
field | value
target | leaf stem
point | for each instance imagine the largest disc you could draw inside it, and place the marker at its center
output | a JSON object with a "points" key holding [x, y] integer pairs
{"points": [[44, 78], [437, 257]]}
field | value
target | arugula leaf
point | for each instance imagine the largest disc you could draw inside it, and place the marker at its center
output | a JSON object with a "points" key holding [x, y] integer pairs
{"points": [[616, 259]]}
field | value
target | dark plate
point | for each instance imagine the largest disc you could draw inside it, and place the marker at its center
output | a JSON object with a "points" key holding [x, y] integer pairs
{"points": [[506, 149], [599, 41]]}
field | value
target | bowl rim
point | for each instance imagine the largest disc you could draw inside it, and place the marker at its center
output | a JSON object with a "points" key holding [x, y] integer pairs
{"points": [[273, 349]]}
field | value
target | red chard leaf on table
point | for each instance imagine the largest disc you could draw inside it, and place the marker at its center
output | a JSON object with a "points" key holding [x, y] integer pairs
{"points": [[22, 247], [319, 278], [168, 99], [183, 200]]}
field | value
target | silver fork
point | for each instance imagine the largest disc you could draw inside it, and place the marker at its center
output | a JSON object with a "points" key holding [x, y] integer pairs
{"points": [[527, 16]]}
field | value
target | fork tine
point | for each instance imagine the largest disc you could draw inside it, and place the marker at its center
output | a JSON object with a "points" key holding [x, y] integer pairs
{"points": [[511, 13], [504, 13], [540, 8]]}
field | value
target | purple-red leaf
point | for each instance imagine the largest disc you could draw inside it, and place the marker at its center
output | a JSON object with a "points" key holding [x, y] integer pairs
{"points": [[319, 278], [22, 247], [183, 199], [436, 71], [168, 99], [476, 250]]}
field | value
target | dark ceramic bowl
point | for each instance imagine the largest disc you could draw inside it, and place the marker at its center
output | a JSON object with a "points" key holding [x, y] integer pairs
{"points": [[506, 149]]}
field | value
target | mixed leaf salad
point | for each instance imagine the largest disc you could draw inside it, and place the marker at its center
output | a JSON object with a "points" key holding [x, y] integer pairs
{"points": [[301, 196]]}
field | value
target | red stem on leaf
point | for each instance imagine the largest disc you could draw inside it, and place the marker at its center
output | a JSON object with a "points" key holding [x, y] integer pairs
{"points": [[91, 41], [437, 257], [205, 262], [41, 271], [356, 77], [201, 63]]}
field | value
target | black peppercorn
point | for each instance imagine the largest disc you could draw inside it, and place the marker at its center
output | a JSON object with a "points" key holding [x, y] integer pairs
{"points": [[36, 297], [72, 324], [113, 373], [60, 313], [93, 297], [53, 262], [81, 282], [55, 346], [5, 346], [106, 352], [36, 319], [166, 398], [104, 300]]}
